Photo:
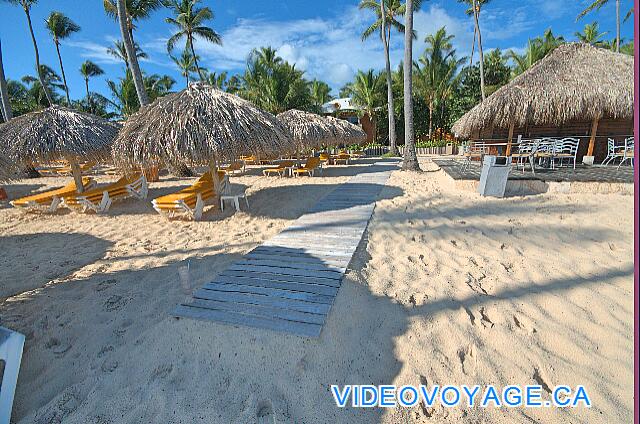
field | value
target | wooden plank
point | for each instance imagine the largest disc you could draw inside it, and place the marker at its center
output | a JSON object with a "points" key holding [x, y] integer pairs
{"points": [[287, 293], [592, 139], [328, 274], [279, 277], [259, 311], [294, 265], [297, 252], [321, 289], [228, 317], [254, 299], [342, 262]]}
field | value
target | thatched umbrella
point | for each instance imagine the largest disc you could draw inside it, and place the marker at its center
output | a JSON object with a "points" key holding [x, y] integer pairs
{"points": [[200, 123], [576, 81], [7, 170], [345, 132], [57, 132], [308, 130]]}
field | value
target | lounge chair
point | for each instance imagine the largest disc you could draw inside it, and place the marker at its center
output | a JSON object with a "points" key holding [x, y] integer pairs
{"points": [[234, 167], [342, 157], [190, 200], [84, 168], [280, 170], [325, 158], [49, 201], [250, 160], [309, 168], [99, 199]]}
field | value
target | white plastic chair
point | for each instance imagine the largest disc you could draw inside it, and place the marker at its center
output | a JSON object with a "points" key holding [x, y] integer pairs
{"points": [[566, 149], [11, 344], [628, 151]]}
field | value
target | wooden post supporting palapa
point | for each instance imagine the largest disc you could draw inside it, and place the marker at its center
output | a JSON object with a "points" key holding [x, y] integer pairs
{"points": [[510, 141], [213, 167], [77, 175], [592, 140]]}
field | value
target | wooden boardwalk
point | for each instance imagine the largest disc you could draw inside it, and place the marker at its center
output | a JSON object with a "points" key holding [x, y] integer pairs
{"points": [[288, 283]]}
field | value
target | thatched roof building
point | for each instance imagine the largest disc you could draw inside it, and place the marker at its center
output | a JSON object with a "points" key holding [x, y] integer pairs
{"points": [[569, 92], [200, 123], [57, 132]]}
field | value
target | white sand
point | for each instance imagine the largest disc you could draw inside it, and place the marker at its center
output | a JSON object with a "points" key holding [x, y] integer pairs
{"points": [[447, 287]]}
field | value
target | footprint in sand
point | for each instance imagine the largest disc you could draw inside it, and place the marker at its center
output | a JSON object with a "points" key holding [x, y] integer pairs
{"points": [[265, 413], [468, 359], [105, 284], [115, 302], [486, 321], [541, 379]]}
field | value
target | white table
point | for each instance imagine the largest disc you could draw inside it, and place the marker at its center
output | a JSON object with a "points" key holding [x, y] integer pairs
{"points": [[236, 200]]}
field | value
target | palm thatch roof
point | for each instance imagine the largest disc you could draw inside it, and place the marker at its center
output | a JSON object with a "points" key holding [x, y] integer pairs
{"points": [[346, 132], [7, 170], [198, 124], [57, 132], [575, 82], [308, 130]]}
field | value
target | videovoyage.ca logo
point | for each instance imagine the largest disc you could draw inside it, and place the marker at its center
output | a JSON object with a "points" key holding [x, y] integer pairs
{"points": [[450, 396]]}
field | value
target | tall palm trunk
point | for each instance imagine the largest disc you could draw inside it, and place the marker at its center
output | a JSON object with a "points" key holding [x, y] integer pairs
{"points": [[410, 162], [618, 26], [4, 94], [477, 21], [64, 77], [25, 7], [393, 148], [86, 85], [195, 59], [473, 46], [430, 119], [131, 54]]}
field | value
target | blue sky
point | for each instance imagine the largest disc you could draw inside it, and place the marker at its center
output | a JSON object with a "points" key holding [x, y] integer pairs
{"points": [[321, 37]]}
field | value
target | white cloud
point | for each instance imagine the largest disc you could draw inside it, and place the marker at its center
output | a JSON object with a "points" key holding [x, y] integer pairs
{"points": [[94, 51]]}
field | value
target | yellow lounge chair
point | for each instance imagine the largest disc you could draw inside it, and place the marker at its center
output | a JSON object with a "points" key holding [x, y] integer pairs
{"points": [[342, 157], [281, 169], [190, 200], [309, 168], [325, 158], [250, 160], [99, 199], [49, 200]]}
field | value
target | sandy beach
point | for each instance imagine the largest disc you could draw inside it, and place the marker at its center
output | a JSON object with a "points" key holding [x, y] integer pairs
{"points": [[446, 287]]}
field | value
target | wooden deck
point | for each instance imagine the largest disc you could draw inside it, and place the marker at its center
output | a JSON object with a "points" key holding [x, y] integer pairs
{"points": [[289, 283], [586, 174]]}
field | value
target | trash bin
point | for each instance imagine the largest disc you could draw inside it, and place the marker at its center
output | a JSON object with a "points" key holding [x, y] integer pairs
{"points": [[495, 172]]}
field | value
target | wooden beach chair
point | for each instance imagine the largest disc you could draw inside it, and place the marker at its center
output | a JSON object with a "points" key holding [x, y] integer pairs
{"points": [[48, 201], [309, 168], [100, 199], [250, 160], [190, 200], [279, 170]]}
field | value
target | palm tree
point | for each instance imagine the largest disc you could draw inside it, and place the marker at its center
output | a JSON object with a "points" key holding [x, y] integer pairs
{"points": [[366, 92], [125, 30], [189, 20], [137, 10], [591, 35], [41, 93], [119, 51], [475, 6], [61, 27], [26, 6], [185, 64], [7, 112], [386, 12], [218, 80], [88, 70], [537, 49], [410, 162], [320, 94], [435, 79], [596, 5]]}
